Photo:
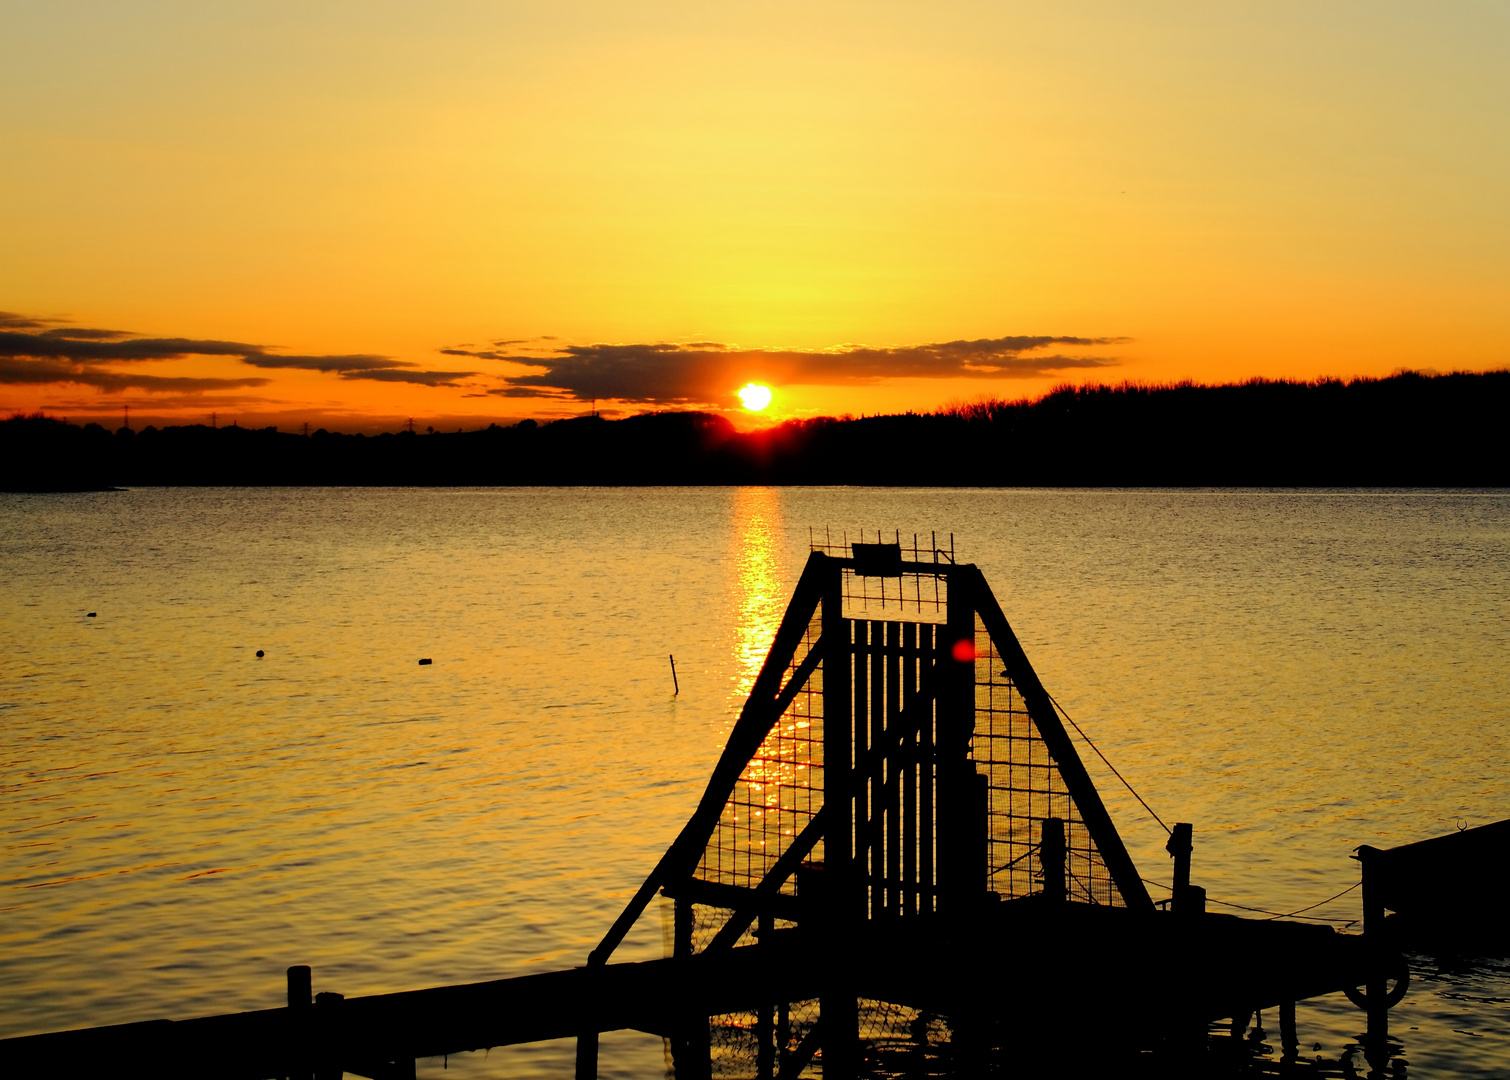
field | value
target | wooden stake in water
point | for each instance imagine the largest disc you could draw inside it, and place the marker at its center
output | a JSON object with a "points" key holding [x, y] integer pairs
{"points": [[675, 687]]}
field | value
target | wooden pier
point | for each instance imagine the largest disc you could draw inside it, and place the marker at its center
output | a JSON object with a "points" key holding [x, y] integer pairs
{"points": [[899, 825]]}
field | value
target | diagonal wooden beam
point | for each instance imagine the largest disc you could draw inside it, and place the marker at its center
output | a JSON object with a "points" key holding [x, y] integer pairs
{"points": [[784, 867], [760, 712], [799, 1058], [868, 766]]}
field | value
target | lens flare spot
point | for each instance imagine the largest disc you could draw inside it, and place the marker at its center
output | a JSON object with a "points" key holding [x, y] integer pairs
{"points": [[755, 396], [964, 650]]}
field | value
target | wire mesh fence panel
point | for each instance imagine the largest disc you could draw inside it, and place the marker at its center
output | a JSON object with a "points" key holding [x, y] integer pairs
{"points": [[708, 920], [917, 595], [1024, 786], [734, 1040], [778, 792]]}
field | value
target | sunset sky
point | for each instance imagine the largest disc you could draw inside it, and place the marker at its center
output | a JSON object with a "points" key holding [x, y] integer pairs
{"points": [[351, 214]]}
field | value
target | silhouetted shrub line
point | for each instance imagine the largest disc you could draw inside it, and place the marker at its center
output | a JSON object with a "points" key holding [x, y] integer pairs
{"points": [[1405, 430]]}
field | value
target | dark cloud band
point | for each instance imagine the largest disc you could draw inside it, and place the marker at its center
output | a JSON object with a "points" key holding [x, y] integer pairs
{"points": [[39, 351], [14, 372], [707, 372], [418, 378], [35, 351]]}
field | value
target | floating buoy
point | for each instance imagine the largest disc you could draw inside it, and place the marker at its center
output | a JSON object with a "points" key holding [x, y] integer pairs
{"points": [[91, 615], [425, 661], [259, 654]]}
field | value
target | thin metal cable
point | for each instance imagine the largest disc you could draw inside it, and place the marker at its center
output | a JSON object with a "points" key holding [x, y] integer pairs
{"points": [[1275, 914], [1108, 764], [1328, 900], [1166, 828]]}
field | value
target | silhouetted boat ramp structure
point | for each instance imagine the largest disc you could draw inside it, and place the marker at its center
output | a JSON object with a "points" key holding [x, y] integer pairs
{"points": [[899, 867]]}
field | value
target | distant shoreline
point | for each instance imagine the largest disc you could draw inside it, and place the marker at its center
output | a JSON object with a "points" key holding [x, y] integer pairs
{"points": [[1407, 430]]}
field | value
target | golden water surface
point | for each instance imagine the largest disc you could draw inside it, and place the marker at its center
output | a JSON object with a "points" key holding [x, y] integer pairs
{"points": [[1294, 673]]}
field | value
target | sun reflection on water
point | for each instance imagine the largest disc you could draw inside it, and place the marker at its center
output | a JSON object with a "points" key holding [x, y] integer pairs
{"points": [[760, 593]]}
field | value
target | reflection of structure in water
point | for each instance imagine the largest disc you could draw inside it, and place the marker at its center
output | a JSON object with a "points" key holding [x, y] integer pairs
{"points": [[900, 867]]}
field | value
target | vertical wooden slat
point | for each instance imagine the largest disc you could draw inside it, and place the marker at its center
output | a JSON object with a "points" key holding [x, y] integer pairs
{"points": [[765, 1045], [877, 730], [909, 764], [893, 772], [926, 845], [861, 707]]}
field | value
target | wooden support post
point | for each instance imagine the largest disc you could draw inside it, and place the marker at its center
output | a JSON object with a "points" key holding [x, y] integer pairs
{"points": [[689, 1043], [958, 879], [783, 1035], [587, 1056], [980, 810], [765, 1046], [300, 998], [681, 928], [1187, 899], [1180, 847], [1373, 934], [300, 986], [326, 1005], [877, 861], [1051, 857], [844, 890], [1289, 1039]]}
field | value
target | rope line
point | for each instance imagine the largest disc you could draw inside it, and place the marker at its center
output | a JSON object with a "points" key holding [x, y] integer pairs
{"points": [[1328, 900], [1275, 914], [1224, 903], [1108, 764], [1015, 861]]}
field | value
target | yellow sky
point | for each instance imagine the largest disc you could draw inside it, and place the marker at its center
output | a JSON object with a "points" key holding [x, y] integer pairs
{"points": [[1286, 190]]}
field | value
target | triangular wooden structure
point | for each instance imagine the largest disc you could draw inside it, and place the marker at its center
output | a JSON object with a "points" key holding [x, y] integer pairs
{"points": [[897, 759]]}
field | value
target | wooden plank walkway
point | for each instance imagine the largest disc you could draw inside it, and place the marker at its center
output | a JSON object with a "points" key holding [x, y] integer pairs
{"points": [[1138, 977]]}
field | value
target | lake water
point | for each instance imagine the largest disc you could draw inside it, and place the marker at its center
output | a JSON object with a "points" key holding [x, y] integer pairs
{"points": [[1294, 673]]}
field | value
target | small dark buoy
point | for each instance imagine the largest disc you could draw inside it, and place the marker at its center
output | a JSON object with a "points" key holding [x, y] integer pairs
{"points": [[91, 615], [425, 661], [259, 654]]}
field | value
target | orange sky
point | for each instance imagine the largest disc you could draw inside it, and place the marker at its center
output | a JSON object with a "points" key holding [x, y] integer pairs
{"points": [[827, 192]]}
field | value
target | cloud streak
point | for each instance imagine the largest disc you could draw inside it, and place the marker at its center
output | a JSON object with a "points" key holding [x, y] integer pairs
{"points": [[708, 372], [343, 365], [15, 372], [36, 351], [419, 378]]}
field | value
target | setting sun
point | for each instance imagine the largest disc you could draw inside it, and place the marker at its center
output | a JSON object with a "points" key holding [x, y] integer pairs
{"points": [[755, 397]]}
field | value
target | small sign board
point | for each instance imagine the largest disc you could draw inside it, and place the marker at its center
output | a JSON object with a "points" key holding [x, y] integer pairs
{"points": [[877, 560]]}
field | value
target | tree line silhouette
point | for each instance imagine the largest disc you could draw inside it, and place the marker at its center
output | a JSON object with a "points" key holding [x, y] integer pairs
{"points": [[1405, 430]]}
